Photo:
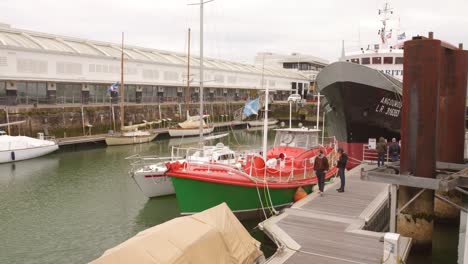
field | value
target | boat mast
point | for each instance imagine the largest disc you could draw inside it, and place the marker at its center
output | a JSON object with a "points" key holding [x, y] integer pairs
{"points": [[122, 88], [265, 116], [383, 31], [201, 71], [187, 96]]}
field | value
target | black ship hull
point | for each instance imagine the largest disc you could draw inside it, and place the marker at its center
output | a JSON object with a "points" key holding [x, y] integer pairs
{"points": [[359, 103]]}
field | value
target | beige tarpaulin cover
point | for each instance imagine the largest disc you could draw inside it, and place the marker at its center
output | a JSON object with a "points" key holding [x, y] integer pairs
{"points": [[193, 122], [214, 236]]}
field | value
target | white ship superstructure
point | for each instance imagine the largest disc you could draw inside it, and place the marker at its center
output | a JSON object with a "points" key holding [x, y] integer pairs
{"points": [[385, 57]]}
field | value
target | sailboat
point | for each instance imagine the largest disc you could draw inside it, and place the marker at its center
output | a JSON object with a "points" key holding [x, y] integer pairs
{"points": [[149, 172], [128, 134], [16, 148], [191, 126], [265, 181]]}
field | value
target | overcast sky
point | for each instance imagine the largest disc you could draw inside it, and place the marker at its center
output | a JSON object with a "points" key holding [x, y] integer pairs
{"points": [[238, 29]]}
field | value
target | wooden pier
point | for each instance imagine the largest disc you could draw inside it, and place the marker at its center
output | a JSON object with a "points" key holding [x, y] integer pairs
{"points": [[100, 138], [335, 227]]}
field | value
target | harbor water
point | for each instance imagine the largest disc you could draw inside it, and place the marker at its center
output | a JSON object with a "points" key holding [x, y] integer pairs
{"points": [[72, 205]]}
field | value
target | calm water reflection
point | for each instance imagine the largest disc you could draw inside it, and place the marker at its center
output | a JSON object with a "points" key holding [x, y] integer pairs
{"points": [[70, 206]]}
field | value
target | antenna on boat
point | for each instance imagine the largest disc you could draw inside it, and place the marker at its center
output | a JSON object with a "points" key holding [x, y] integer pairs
{"points": [[383, 31]]}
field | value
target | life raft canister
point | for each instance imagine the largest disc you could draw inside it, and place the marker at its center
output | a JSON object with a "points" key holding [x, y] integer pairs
{"points": [[300, 194]]}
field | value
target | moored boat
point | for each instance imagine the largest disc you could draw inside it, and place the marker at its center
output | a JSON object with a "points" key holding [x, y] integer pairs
{"points": [[16, 148], [129, 138], [257, 123], [363, 93], [258, 185], [149, 172], [191, 127]]}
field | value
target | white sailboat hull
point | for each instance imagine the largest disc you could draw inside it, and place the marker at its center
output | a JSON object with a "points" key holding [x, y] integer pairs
{"points": [[260, 123], [153, 184], [26, 153], [129, 140], [188, 132]]}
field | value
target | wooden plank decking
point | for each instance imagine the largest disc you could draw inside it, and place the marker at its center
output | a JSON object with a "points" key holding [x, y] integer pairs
{"points": [[329, 229]]}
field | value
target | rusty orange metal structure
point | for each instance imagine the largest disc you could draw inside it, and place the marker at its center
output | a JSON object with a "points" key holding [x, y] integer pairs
{"points": [[452, 105], [433, 124]]}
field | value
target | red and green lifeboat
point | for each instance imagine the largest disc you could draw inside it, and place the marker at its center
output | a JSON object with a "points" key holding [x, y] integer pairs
{"points": [[258, 184]]}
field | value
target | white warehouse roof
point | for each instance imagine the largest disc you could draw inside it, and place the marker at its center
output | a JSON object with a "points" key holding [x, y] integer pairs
{"points": [[35, 41]]}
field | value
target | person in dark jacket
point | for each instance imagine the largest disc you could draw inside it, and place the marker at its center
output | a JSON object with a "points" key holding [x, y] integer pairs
{"points": [[342, 161], [320, 167], [394, 150], [381, 151]]}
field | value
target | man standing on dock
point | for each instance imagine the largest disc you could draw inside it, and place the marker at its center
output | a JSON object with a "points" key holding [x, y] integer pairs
{"points": [[321, 166], [381, 151], [394, 150], [342, 161]]}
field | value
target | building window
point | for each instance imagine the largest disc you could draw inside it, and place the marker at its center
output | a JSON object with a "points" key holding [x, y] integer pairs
{"points": [[2, 89], [31, 92], [356, 60], [98, 93], [130, 93], [68, 93], [388, 60], [399, 60], [376, 60], [365, 61]]}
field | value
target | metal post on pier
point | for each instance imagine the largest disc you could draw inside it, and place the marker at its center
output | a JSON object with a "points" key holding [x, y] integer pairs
{"points": [[423, 58]]}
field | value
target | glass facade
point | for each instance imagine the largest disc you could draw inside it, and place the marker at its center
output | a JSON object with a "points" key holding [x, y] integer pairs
{"points": [[31, 92], [98, 93], [130, 93], [2, 88], [68, 93]]}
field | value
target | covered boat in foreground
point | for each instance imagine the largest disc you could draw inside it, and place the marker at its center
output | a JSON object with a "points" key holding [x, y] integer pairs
{"points": [[257, 185], [214, 236]]}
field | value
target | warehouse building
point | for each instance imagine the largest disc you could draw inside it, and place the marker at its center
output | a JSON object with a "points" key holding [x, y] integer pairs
{"points": [[40, 68]]}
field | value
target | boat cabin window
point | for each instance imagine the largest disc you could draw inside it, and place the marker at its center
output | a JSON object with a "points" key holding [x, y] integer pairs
{"points": [[376, 60], [365, 61], [299, 139], [399, 60], [388, 60], [355, 60], [226, 157]]}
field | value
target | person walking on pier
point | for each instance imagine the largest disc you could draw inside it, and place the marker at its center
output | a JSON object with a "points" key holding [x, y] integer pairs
{"points": [[381, 151], [341, 168], [394, 150], [320, 167]]}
